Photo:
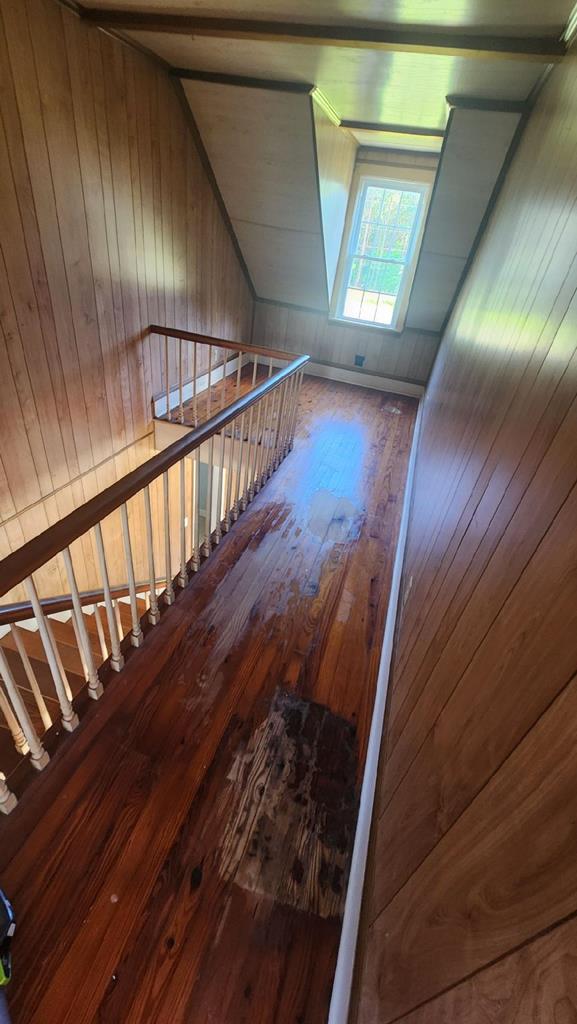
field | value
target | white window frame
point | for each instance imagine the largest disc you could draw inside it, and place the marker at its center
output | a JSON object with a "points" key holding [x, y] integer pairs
{"points": [[413, 179]]}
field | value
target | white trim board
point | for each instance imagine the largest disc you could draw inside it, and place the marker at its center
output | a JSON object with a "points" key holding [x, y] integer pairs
{"points": [[159, 401], [343, 980], [366, 380]]}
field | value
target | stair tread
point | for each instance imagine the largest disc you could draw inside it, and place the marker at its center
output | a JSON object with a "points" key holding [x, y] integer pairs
{"points": [[64, 634], [92, 628], [34, 648], [40, 669]]}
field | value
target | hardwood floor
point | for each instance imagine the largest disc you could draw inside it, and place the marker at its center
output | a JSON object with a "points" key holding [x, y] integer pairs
{"points": [[184, 859], [224, 392]]}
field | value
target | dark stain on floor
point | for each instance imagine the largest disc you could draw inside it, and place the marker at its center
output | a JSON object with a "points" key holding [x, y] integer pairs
{"points": [[290, 830]]}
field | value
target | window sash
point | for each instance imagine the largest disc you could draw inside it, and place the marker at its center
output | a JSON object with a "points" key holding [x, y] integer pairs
{"points": [[352, 253]]}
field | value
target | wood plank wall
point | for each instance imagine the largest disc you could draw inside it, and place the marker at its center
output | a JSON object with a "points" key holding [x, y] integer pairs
{"points": [[470, 910], [108, 222], [408, 356]]}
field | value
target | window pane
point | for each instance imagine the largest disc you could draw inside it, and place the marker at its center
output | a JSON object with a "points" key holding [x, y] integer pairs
{"points": [[375, 276], [372, 205], [379, 251], [371, 240], [391, 204], [407, 209], [369, 306], [385, 310], [396, 245], [353, 300]]}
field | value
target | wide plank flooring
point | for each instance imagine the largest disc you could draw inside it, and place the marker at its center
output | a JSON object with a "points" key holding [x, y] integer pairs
{"points": [[184, 859]]}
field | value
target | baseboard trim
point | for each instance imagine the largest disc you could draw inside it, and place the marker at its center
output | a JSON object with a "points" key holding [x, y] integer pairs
{"points": [[365, 380], [343, 980]]}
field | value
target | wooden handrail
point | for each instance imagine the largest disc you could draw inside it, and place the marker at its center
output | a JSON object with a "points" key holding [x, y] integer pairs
{"points": [[235, 346], [22, 563], [22, 610]]}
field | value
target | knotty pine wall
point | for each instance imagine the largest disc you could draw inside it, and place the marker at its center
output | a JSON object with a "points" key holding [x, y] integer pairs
{"points": [[108, 222], [470, 910]]}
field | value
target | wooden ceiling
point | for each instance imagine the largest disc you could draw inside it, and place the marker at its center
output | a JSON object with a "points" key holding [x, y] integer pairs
{"points": [[518, 17], [380, 60], [388, 63], [360, 84]]}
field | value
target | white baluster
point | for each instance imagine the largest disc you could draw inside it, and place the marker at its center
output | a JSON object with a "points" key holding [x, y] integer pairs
{"points": [[224, 364], [194, 371], [58, 656], [38, 756], [169, 592], [208, 525], [136, 634], [100, 631], [69, 716], [238, 373], [79, 646], [279, 426], [195, 511], [229, 496], [116, 657], [293, 411], [118, 618], [18, 737], [263, 443], [273, 420], [154, 612], [253, 454], [38, 696], [246, 494], [167, 379], [94, 685], [183, 575], [8, 800], [218, 525], [208, 394], [288, 416], [241, 459], [180, 401]]}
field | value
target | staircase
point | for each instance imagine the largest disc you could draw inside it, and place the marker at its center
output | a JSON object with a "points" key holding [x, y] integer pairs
{"points": [[235, 418], [23, 649]]}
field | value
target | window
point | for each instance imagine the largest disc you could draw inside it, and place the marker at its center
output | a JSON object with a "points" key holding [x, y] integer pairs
{"points": [[381, 256]]}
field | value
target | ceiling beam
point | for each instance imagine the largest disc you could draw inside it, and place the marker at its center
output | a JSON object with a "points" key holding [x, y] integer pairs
{"points": [[395, 129], [245, 81], [480, 103], [544, 49]]}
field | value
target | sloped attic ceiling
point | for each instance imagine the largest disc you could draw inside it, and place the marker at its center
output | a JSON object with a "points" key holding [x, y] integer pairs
{"points": [[381, 64], [260, 143]]}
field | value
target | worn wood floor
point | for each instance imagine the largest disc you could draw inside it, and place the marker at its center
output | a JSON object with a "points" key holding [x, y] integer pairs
{"points": [[184, 859], [198, 410]]}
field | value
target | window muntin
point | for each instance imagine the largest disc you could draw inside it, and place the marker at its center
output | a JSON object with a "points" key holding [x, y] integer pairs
{"points": [[382, 251]]}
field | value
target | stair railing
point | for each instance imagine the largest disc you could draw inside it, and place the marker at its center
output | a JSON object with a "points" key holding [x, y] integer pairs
{"points": [[238, 448], [203, 374]]}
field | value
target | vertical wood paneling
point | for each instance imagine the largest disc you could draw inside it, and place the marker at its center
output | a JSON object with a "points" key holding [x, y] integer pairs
{"points": [[107, 223], [408, 356], [473, 841]]}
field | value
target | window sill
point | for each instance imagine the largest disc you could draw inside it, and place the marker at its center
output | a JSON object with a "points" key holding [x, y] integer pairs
{"points": [[342, 321]]}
